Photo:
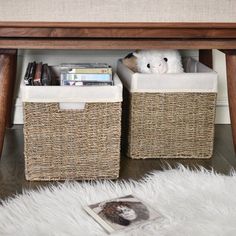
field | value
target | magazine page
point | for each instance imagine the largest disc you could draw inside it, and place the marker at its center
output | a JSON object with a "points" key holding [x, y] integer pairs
{"points": [[122, 213]]}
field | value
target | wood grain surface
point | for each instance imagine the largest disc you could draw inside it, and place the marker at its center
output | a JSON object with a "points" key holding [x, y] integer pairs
{"points": [[7, 78], [231, 86]]}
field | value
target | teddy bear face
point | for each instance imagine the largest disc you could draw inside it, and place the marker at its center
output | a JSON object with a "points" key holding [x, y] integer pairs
{"points": [[152, 64], [158, 61]]}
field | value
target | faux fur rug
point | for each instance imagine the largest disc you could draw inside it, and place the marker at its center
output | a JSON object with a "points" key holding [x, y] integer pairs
{"points": [[193, 202]]}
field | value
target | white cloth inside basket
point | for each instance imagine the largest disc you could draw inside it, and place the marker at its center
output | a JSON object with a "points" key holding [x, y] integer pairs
{"points": [[73, 94], [197, 78]]}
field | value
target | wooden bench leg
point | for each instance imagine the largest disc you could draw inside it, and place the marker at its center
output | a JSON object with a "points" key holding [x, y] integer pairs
{"points": [[231, 84], [7, 79]]}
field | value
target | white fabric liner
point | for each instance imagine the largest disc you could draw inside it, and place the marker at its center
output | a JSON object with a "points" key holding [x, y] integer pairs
{"points": [[72, 105], [197, 78], [73, 94]]}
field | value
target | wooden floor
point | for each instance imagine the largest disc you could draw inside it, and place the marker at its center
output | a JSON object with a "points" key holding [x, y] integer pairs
{"points": [[12, 179]]}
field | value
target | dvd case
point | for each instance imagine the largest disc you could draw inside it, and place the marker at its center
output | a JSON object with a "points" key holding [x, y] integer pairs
{"points": [[85, 83], [87, 77], [87, 71], [84, 65]]}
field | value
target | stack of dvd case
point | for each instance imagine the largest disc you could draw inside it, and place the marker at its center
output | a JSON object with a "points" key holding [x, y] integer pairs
{"points": [[86, 74]]}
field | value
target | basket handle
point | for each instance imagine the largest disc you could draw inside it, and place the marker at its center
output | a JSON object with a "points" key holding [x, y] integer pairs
{"points": [[72, 105]]}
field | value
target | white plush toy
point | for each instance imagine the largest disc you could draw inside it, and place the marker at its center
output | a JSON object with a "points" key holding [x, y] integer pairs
{"points": [[154, 61]]}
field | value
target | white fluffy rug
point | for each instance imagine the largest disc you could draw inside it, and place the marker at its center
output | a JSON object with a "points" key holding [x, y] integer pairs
{"points": [[194, 202]]}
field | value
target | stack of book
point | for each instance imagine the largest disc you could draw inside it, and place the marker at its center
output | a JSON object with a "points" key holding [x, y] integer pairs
{"points": [[86, 74], [39, 74]]}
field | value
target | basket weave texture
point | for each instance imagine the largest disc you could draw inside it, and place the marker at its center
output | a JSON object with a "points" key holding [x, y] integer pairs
{"points": [[72, 144], [168, 125]]}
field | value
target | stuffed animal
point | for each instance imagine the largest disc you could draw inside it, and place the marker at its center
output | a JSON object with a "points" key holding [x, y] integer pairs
{"points": [[154, 61]]}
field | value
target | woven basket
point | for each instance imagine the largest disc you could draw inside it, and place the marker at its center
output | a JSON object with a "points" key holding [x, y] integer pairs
{"points": [[168, 123], [72, 144], [77, 144]]}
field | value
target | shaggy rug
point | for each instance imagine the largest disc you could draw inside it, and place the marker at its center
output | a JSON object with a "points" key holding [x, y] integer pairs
{"points": [[193, 202]]}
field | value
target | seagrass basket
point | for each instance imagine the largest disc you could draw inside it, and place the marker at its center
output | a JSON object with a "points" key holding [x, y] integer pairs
{"points": [[169, 115], [72, 132]]}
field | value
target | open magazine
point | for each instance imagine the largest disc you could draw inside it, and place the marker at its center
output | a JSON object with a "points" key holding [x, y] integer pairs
{"points": [[122, 213]]}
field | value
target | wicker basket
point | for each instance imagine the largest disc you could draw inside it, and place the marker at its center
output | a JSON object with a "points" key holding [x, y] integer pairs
{"points": [[66, 143], [169, 115]]}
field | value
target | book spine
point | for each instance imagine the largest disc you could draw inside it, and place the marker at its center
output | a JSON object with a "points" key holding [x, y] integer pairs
{"points": [[38, 74], [27, 73], [87, 77], [46, 75], [32, 73]]}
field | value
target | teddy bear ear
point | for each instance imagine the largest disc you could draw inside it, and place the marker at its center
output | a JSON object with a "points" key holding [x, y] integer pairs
{"points": [[136, 54]]}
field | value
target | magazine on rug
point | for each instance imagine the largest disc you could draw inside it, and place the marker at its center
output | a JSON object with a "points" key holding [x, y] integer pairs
{"points": [[122, 213]]}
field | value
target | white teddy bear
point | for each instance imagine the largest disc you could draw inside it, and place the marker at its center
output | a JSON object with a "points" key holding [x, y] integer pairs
{"points": [[154, 61]]}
